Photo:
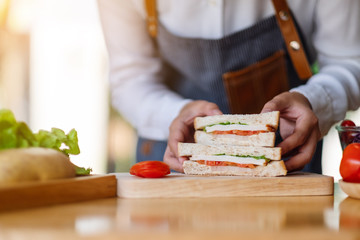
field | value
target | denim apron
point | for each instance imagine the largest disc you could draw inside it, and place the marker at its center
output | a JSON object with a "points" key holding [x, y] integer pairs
{"points": [[194, 69]]}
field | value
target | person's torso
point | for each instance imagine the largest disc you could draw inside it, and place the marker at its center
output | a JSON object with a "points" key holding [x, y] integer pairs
{"points": [[214, 19], [195, 64]]}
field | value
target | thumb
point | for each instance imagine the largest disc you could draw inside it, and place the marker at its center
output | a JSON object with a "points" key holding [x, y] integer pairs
{"points": [[275, 104], [214, 112], [269, 107], [210, 109]]}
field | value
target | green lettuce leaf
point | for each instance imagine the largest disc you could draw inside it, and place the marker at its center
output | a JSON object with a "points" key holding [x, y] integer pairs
{"points": [[80, 171], [224, 123], [245, 156]]}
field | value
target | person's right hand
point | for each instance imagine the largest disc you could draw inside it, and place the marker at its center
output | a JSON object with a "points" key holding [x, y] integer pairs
{"points": [[182, 130], [299, 127]]}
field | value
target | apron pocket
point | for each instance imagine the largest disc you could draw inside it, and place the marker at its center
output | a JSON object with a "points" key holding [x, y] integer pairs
{"points": [[250, 88]]}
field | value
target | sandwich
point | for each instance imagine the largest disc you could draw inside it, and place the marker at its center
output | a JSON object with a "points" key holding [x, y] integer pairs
{"points": [[229, 160], [238, 129]]}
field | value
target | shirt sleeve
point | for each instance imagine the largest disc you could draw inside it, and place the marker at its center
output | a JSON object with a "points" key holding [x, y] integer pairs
{"points": [[137, 90], [336, 38]]}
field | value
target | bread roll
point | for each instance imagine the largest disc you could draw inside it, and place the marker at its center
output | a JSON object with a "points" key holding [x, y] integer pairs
{"points": [[34, 164]]}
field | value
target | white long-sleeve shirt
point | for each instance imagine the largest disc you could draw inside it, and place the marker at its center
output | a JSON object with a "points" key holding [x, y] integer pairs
{"points": [[331, 28]]}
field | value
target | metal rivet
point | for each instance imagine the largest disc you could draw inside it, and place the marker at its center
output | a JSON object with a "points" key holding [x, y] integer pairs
{"points": [[284, 15], [295, 45]]}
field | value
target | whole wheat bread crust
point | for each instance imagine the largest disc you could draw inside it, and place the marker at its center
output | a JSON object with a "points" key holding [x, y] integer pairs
{"points": [[269, 118], [273, 169]]}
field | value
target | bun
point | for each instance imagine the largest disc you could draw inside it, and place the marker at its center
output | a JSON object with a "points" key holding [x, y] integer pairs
{"points": [[273, 169], [34, 164]]}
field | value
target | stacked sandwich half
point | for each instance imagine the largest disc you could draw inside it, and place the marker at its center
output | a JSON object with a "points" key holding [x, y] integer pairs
{"points": [[234, 145]]}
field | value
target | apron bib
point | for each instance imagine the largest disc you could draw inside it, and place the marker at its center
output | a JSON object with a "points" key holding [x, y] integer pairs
{"points": [[203, 69]]}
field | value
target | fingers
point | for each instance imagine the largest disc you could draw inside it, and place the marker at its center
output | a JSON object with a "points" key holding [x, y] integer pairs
{"points": [[286, 100], [305, 126], [179, 132], [304, 155], [276, 104], [298, 127], [182, 129], [303, 140], [174, 163], [205, 108], [198, 109]]}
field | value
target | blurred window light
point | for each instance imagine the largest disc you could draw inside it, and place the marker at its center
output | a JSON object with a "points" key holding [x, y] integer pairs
{"points": [[68, 86], [4, 12], [53, 73]]}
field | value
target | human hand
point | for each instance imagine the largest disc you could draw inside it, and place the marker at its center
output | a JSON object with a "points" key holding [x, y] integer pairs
{"points": [[298, 127], [182, 130]]}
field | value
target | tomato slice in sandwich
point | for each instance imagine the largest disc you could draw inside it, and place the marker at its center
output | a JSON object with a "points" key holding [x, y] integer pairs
{"points": [[239, 132], [225, 163]]}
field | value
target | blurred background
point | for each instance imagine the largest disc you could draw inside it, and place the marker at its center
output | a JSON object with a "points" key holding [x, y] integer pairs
{"points": [[53, 73]]}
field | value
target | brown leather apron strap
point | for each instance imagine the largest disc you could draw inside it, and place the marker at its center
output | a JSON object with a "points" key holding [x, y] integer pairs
{"points": [[150, 6], [286, 25], [292, 40]]}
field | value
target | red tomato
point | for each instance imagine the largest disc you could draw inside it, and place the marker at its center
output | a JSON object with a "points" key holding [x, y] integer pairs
{"points": [[347, 123], [350, 163], [150, 169], [239, 132], [215, 163], [347, 137], [224, 163]]}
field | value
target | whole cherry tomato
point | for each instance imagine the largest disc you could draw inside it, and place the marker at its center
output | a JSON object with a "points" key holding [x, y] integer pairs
{"points": [[347, 123], [150, 169], [347, 137], [350, 163]]}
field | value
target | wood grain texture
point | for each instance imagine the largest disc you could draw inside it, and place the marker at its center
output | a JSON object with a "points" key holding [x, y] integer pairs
{"points": [[255, 218], [36, 194], [351, 189], [180, 185]]}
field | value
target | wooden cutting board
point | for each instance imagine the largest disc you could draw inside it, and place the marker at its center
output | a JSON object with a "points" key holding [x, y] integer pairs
{"points": [[180, 185], [36, 194]]}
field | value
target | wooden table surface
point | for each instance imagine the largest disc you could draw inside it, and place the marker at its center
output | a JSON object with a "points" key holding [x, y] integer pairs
{"points": [[306, 217]]}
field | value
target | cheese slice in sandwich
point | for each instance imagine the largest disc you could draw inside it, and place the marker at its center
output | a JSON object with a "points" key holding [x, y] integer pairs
{"points": [[237, 129], [231, 160]]}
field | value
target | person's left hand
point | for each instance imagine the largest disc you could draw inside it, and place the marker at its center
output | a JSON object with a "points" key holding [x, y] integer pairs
{"points": [[298, 127]]}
